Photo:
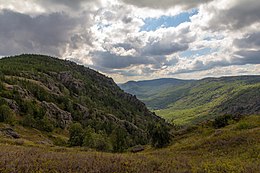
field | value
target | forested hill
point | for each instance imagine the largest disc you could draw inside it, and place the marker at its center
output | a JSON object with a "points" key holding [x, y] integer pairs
{"points": [[187, 102], [47, 93]]}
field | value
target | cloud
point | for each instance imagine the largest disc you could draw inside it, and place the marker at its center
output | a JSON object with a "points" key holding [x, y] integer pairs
{"points": [[108, 35], [250, 40], [46, 34], [113, 61], [47, 6], [233, 15], [247, 57], [165, 4], [163, 48], [68, 3], [204, 63]]}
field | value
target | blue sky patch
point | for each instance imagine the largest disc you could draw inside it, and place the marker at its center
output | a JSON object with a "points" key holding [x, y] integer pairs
{"points": [[196, 53], [152, 24]]}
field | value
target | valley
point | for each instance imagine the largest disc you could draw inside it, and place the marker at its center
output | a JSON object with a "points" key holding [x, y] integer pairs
{"points": [[57, 116], [185, 102]]}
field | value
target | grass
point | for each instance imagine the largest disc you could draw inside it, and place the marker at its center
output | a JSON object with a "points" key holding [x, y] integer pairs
{"points": [[198, 107], [234, 148]]}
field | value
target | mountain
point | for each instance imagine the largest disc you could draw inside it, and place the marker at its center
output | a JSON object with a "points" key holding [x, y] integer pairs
{"points": [[148, 90], [51, 95], [47, 104], [195, 101]]}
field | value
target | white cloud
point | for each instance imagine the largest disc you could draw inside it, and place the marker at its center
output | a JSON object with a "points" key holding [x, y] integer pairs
{"points": [[107, 36], [166, 4]]}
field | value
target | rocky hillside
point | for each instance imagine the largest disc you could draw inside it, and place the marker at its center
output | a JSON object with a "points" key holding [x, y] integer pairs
{"points": [[195, 101], [50, 94]]}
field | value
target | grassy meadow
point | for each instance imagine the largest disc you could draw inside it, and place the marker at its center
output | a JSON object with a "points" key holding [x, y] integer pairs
{"points": [[234, 148]]}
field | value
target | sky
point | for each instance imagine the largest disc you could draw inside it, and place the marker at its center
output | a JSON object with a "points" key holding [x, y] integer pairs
{"points": [[138, 40]]}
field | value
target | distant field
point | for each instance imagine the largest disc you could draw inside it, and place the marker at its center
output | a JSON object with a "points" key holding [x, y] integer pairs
{"points": [[234, 148]]}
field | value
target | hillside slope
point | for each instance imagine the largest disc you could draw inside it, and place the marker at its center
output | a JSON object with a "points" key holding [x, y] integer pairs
{"points": [[148, 90], [50, 94], [196, 101], [234, 148]]}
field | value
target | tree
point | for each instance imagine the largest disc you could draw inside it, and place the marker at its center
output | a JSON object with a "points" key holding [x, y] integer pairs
{"points": [[46, 124], [98, 141], [88, 137], [119, 139], [221, 121], [76, 135], [159, 134], [6, 114]]}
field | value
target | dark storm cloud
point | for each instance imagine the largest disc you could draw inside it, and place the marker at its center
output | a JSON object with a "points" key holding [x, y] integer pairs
{"points": [[110, 60], [242, 14], [247, 57], [165, 4], [161, 48], [21, 33], [251, 40], [73, 4]]}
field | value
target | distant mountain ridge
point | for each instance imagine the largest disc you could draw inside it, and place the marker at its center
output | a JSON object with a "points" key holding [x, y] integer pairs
{"points": [[193, 101], [147, 89]]}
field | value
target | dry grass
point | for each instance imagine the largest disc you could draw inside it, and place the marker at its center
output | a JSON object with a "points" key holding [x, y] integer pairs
{"points": [[230, 149]]}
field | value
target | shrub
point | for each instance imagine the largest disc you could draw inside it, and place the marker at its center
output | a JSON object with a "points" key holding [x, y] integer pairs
{"points": [[6, 114], [59, 141], [243, 125], [28, 121], [159, 134], [88, 137], [76, 135], [119, 139], [221, 121], [46, 124], [101, 142], [98, 141]]}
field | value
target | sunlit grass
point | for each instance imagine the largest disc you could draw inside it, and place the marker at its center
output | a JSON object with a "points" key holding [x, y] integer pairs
{"points": [[234, 148]]}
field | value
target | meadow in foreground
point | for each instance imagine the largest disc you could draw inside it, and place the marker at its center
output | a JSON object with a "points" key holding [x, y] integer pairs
{"points": [[234, 148]]}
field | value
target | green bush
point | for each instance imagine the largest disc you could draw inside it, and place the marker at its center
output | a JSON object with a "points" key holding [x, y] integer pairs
{"points": [[159, 134], [119, 139], [101, 142], [59, 141], [76, 135], [98, 141], [243, 125], [46, 124], [6, 114], [221, 121], [88, 137], [29, 121]]}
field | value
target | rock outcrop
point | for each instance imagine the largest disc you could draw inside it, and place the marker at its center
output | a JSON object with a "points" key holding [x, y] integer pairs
{"points": [[10, 132], [61, 117]]}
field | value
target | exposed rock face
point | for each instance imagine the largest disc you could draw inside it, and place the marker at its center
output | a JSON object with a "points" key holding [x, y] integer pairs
{"points": [[61, 117], [10, 132], [43, 80], [12, 104], [23, 92], [68, 80], [82, 109], [137, 148]]}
